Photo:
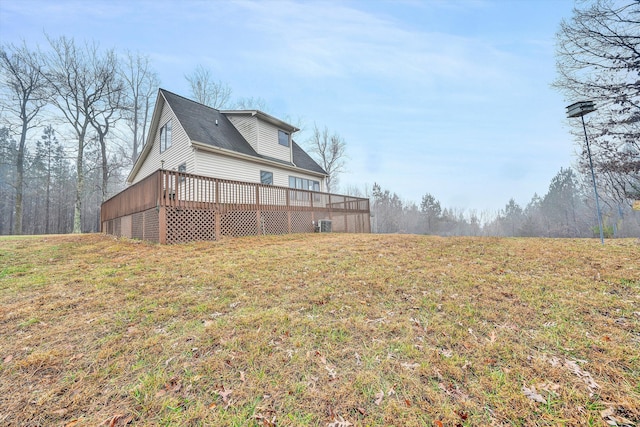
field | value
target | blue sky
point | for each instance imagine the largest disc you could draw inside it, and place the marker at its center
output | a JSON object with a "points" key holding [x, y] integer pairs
{"points": [[448, 97]]}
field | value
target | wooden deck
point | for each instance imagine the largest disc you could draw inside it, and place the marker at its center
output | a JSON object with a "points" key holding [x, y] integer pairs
{"points": [[175, 207]]}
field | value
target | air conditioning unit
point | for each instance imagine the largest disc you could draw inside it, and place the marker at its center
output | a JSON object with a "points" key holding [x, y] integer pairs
{"points": [[324, 226]]}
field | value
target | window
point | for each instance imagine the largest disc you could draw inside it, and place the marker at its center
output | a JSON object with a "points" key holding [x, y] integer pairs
{"points": [[182, 169], [266, 177], [165, 136], [304, 184], [283, 138]]}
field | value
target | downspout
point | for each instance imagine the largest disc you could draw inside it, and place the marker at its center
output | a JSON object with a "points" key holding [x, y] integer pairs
{"points": [[291, 148]]}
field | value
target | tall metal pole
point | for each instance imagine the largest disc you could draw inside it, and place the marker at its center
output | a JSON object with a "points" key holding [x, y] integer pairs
{"points": [[593, 177]]}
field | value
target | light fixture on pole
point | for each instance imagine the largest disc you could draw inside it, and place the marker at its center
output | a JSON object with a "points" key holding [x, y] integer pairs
{"points": [[580, 109]]}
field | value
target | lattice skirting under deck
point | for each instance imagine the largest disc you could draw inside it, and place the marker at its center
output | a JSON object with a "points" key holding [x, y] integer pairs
{"points": [[186, 225], [142, 225]]}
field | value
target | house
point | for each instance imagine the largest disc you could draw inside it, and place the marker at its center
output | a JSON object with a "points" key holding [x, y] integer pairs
{"points": [[205, 173], [245, 145]]}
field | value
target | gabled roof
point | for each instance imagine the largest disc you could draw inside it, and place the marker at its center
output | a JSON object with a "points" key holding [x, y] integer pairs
{"points": [[210, 127]]}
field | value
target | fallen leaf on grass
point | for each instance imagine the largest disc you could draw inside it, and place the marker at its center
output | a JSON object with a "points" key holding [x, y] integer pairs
{"points": [[379, 396], [446, 353], [8, 359], [531, 394], [76, 357], [453, 391], [362, 410], [549, 387], [463, 415], [438, 423], [573, 367], [472, 333], [224, 394], [338, 421], [71, 423], [264, 421], [584, 375], [409, 365], [119, 420], [173, 386], [331, 371], [608, 415]]}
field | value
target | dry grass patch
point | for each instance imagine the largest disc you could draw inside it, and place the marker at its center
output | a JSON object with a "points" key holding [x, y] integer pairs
{"points": [[319, 330]]}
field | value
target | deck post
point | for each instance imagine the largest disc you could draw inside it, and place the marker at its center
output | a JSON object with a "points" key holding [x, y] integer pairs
{"points": [[346, 222], [288, 202], [217, 225], [162, 225], [258, 215]]}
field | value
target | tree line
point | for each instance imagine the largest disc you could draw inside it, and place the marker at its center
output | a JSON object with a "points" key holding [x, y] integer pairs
{"points": [[566, 210], [73, 118]]}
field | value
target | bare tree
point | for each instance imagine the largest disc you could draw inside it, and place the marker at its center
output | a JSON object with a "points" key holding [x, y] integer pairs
{"points": [[81, 78], [598, 58], [252, 103], [104, 113], [141, 87], [329, 150], [24, 97], [207, 91], [8, 149]]}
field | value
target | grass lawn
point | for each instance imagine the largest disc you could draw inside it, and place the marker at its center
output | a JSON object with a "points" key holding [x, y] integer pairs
{"points": [[319, 330]]}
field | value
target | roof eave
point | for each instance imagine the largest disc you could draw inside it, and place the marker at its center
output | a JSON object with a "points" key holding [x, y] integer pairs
{"points": [[148, 145]]}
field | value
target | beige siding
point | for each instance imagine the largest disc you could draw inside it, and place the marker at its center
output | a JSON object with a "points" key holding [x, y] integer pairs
{"points": [[224, 167], [262, 136], [268, 142], [179, 152], [248, 128]]}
